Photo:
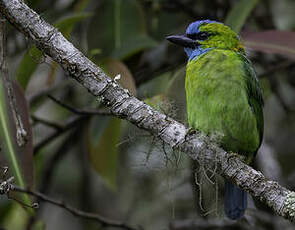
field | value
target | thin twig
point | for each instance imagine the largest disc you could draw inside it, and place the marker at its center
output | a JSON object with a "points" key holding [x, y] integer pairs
{"points": [[80, 111], [40, 95], [204, 224], [84, 114], [76, 212], [53, 162], [50, 167], [52, 124], [70, 124], [21, 131]]}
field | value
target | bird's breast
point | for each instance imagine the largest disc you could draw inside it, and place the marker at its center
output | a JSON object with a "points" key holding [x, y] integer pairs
{"points": [[217, 104]]}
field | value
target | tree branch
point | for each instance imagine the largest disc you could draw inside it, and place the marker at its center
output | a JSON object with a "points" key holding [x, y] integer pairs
{"points": [[123, 105], [45, 122], [76, 212], [202, 224]]}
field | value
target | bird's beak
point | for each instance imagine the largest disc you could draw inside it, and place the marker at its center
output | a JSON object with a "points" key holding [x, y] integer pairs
{"points": [[183, 41]]}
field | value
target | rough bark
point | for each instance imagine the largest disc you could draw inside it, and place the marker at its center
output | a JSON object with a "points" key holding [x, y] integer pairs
{"points": [[122, 104]]}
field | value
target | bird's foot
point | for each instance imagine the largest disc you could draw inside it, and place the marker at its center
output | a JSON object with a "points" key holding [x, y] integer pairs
{"points": [[236, 155], [190, 131]]}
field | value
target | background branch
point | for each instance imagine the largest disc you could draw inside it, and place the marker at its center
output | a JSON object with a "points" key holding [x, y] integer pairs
{"points": [[91, 216], [45, 122], [71, 123], [80, 111]]}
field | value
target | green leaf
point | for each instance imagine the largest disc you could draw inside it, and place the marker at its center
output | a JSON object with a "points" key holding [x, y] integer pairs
{"points": [[105, 132], [282, 14], [67, 24], [176, 93], [17, 218], [81, 5], [93, 53], [39, 225], [164, 22], [104, 135], [32, 3], [156, 86], [32, 58], [28, 66], [266, 88], [159, 102], [121, 26], [239, 13], [16, 140], [271, 41], [134, 45]]}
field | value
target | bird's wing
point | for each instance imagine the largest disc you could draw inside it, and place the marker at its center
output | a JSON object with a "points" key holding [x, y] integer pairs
{"points": [[254, 94]]}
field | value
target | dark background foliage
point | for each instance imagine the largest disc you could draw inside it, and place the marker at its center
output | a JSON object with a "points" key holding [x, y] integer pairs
{"points": [[104, 165]]}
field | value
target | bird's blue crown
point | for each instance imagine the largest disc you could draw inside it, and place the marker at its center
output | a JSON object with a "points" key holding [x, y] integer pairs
{"points": [[193, 28]]}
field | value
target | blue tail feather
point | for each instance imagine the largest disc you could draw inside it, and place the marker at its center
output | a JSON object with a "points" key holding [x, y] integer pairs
{"points": [[235, 201]]}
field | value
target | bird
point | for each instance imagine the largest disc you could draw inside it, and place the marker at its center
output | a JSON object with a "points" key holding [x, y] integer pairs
{"points": [[223, 96]]}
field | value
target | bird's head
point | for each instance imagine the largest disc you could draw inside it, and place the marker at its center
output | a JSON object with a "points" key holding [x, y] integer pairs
{"points": [[201, 36]]}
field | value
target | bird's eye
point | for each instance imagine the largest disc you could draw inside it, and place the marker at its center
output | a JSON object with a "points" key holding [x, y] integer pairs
{"points": [[199, 36], [203, 36]]}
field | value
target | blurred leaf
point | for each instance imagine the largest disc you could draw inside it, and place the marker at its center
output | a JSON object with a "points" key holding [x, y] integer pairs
{"points": [[158, 102], [272, 41], [283, 14], [156, 57], [155, 86], [39, 225], [121, 27], [177, 79], [167, 22], [172, 102], [176, 92], [32, 3], [51, 73], [93, 53], [16, 218], [31, 59], [81, 5], [28, 66], [67, 24], [104, 134], [239, 13], [16, 135], [266, 88], [5, 208], [115, 67], [134, 45]]}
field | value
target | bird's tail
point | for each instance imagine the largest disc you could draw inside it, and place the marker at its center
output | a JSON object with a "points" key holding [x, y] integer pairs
{"points": [[235, 201]]}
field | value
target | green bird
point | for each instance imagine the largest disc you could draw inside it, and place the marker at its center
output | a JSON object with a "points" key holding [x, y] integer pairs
{"points": [[223, 95]]}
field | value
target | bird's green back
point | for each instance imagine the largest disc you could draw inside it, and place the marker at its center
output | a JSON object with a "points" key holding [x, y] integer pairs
{"points": [[224, 100]]}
